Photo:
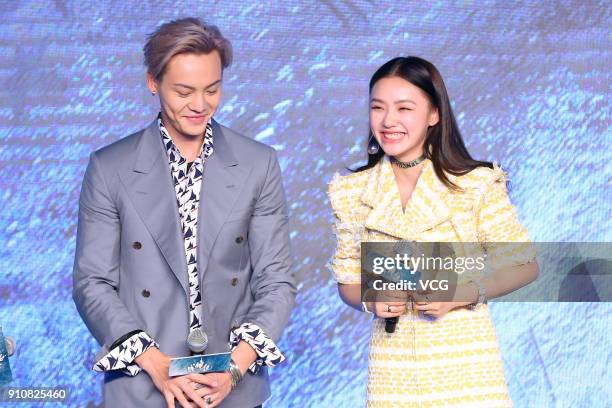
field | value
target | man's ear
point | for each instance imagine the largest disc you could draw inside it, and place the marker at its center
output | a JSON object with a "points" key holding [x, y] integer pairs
{"points": [[151, 83]]}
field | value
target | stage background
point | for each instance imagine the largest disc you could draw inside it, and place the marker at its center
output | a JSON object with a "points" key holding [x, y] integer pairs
{"points": [[529, 83]]}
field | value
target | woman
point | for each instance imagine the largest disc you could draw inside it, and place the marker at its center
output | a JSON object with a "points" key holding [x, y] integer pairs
{"points": [[421, 184]]}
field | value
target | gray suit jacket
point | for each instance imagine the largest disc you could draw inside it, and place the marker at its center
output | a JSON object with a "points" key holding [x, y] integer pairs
{"points": [[128, 197]]}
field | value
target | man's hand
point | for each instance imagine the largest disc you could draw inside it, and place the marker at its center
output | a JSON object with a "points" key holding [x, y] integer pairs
{"points": [[215, 394], [156, 364], [243, 355]]}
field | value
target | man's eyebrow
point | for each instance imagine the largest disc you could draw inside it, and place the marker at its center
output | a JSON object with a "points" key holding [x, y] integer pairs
{"points": [[185, 86], [191, 88], [218, 81]]}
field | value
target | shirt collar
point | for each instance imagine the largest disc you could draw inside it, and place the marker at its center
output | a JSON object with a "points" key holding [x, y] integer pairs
{"points": [[174, 154]]}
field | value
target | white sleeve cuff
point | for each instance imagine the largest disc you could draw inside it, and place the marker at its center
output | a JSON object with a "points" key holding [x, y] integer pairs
{"points": [[264, 346], [122, 356]]}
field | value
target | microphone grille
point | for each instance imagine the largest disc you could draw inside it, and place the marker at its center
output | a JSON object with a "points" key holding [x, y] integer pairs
{"points": [[197, 340]]}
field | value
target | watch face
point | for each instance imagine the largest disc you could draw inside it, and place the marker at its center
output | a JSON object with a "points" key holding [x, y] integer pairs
{"points": [[197, 341]]}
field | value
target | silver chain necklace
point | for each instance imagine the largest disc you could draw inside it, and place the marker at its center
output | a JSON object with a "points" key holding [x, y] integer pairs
{"points": [[407, 165]]}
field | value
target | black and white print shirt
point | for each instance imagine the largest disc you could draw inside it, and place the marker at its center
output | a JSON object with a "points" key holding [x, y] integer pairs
{"points": [[187, 178]]}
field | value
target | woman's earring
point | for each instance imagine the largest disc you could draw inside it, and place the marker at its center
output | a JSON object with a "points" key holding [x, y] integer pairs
{"points": [[153, 93], [373, 146]]}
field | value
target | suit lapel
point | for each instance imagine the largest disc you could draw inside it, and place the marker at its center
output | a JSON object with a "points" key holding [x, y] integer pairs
{"points": [[151, 190], [425, 209], [222, 183]]}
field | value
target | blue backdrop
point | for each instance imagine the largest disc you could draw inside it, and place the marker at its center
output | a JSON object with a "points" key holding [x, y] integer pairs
{"points": [[530, 85]]}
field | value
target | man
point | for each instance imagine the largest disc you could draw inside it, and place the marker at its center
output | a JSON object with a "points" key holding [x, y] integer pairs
{"points": [[183, 234]]}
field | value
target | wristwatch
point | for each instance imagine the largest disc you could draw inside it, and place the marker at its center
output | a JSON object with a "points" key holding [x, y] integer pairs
{"points": [[482, 298], [235, 373]]}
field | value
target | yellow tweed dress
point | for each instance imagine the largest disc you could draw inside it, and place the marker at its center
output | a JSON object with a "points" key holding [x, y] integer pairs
{"points": [[453, 361]]}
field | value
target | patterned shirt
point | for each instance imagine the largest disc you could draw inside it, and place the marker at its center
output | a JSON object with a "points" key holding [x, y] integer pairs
{"points": [[187, 179]]}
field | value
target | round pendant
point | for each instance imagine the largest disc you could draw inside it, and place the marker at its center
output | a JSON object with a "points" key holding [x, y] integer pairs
{"points": [[197, 341]]}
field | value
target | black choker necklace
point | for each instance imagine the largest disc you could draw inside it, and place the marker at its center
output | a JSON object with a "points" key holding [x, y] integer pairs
{"points": [[407, 165]]}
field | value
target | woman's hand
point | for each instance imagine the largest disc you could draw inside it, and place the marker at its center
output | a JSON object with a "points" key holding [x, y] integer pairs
{"points": [[389, 303], [384, 310], [438, 309]]}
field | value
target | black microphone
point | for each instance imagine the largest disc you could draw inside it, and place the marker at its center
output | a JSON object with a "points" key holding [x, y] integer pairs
{"points": [[390, 323], [400, 248]]}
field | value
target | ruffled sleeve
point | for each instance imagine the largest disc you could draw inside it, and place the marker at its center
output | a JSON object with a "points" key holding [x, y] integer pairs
{"points": [[345, 264], [505, 239]]}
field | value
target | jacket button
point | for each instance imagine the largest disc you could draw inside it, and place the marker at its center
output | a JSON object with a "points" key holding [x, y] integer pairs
{"points": [[239, 239], [146, 293], [136, 245], [234, 281]]}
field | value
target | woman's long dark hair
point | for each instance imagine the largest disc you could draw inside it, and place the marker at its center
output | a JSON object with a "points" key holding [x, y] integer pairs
{"points": [[443, 144]]}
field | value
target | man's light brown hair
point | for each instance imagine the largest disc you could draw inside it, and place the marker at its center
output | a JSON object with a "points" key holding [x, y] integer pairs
{"points": [[187, 35]]}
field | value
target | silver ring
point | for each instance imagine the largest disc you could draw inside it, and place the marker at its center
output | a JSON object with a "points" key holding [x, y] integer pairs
{"points": [[208, 400], [388, 309]]}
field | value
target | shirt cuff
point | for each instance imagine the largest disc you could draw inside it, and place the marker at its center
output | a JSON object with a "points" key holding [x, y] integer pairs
{"points": [[122, 356], [254, 336]]}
